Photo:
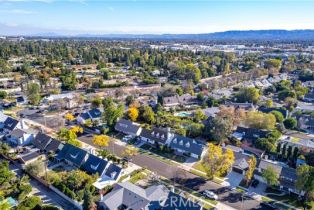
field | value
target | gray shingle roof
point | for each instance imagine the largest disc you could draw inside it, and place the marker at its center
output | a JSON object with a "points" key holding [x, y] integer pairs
{"points": [[126, 126], [156, 197], [41, 141], [156, 134], [17, 133], [187, 144], [113, 171], [94, 165], [10, 123], [72, 154]]}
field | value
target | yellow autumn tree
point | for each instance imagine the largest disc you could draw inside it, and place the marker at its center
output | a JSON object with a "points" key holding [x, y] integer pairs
{"points": [[130, 151], [69, 117], [77, 129], [133, 113], [101, 140], [250, 172], [216, 162]]}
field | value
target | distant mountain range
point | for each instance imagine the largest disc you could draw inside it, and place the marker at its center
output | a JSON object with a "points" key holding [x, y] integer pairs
{"points": [[227, 35]]}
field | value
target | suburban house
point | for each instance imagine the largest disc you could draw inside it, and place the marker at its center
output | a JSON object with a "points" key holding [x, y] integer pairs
{"points": [[72, 155], [110, 175], [126, 195], [187, 146], [287, 176], [161, 136], [240, 164], [93, 115], [10, 124], [128, 127], [250, 134], [95, 165], [282, 110], [46, 144], [20, 137], [309, 97], [306, 145], [68, 100], [176, 100], [306, 123]]}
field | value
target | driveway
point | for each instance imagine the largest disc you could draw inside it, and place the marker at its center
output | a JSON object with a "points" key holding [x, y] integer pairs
{"points": [[190, 162], [182, 177], [234, 179]]}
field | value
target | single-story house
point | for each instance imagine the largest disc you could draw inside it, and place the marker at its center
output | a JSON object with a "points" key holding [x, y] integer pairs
{"points": [[306, 123], [111, 175], [128, 127], [188, 146], [251, 134], [287, 176], [95, 165], [245, 106], [126, 195], [93, 115], [45, 143], [240, 164], [306, 145], [176, 100], [160, 136], [72, 154]]}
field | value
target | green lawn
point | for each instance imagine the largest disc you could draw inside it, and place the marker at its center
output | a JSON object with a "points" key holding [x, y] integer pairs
{"points": [[288, 199]]}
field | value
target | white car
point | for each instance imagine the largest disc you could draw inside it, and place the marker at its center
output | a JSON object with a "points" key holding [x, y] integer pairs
{"points": [[210, 194], [127, 138]]}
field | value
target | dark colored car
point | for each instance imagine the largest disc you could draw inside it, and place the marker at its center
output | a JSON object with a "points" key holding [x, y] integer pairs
{"points": [[269, 205], [255, 182]]}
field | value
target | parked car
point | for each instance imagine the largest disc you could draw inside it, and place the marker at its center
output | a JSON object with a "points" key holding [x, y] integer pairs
{"points": [[127, 138], [210, 194], [255, 182], [269, 205]]}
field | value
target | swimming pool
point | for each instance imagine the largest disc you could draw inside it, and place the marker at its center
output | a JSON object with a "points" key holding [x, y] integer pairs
{"points": [[183, 114]]}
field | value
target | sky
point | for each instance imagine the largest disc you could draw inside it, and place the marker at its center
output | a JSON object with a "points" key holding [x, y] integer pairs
{"points": [[72, 17]]}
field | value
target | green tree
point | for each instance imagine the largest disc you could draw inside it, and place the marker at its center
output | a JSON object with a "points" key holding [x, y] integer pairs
{"points": [[199, 115], [3, 94], [270, 176], [249, 94], [148, 114], [305, 180], [260, 120], [290, 123], [33, 93], [88, 202], [278, 115], [29, 203]]}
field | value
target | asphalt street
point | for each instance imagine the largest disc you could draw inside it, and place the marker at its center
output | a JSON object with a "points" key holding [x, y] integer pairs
{"points": [[183, 177]]}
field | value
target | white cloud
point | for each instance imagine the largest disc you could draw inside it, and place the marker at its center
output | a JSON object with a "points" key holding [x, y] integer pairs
{"points": [[17, 11], [111, 9]]}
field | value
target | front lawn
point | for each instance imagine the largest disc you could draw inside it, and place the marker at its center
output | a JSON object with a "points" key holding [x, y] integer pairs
{"points": [[288, 199], [165, 153]]}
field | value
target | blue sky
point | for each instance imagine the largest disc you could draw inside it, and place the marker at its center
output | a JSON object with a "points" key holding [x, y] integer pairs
{"points": [[152, 16]]}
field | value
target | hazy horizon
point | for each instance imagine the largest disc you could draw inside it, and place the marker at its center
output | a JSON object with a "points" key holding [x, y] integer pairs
{"points": [[74, 17]]}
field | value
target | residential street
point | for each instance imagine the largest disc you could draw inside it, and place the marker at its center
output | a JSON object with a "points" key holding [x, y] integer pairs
{"points": [[177, 175]]}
